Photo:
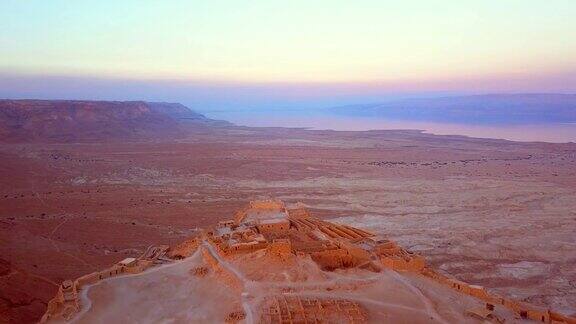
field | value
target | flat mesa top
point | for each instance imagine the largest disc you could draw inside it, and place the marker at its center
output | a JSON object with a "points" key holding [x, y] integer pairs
{"points": [[309, 270]]}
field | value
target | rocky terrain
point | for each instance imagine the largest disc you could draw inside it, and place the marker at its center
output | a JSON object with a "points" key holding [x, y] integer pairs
{"points": [[72, 121], [490, 212]]}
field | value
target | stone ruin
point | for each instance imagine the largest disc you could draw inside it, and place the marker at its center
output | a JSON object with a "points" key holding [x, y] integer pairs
{"points": [[235, 317], [283, 234], [67, 301], [294, 309]]}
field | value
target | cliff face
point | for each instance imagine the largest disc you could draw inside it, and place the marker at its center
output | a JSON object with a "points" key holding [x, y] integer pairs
{"points": [[176, 111], [68, 121]]}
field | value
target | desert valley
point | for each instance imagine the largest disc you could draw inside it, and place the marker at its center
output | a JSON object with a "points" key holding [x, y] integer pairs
{"points": [[287, 162], [77, 197]]}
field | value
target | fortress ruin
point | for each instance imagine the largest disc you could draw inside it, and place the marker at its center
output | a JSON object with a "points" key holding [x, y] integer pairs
{"points": [[270, 234]]}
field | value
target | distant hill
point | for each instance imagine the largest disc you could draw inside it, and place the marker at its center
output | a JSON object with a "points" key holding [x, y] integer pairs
{"points": [[478, 109], [176, 111], [66, 121]]}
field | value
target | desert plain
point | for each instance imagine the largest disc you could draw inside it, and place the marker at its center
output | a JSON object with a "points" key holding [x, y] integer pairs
{"points": [[496, 213]]}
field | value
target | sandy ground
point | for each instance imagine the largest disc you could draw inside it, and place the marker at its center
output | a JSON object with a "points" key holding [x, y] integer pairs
{"points": [[167, 294], [171, 294], [495, 213]]}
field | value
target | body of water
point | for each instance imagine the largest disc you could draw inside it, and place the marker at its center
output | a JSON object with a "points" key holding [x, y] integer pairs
{"points": [[542, 132]]}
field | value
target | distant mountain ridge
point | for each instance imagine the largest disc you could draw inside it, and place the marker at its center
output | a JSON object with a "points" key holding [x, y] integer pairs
{"points": [[175, 110], [483, 109], [80, 120]]}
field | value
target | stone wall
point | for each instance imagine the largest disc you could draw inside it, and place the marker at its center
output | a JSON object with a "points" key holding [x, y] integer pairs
{"points": [[184, 249], [66, 303], [523, 310]]}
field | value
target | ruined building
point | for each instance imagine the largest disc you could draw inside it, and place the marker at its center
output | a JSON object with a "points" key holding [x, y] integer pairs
{"points": [[268, 236]]}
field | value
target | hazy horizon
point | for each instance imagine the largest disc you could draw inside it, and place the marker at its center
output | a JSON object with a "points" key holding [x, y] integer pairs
{"points": [[266, 60], [225, 96], [215, 55]]}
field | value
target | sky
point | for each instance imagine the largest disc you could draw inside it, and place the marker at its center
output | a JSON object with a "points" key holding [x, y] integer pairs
{"points": [[216, 53]]}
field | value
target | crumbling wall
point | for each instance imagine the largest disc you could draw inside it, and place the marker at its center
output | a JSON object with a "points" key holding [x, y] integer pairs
{"points": [[399, 263], [278, 227], [87, 279], [396, 258], [66, 302], [138, 267], [245, 247], [523, 310], [184, 249], [334, 259]]}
